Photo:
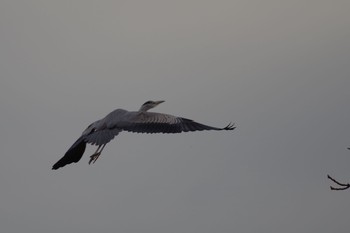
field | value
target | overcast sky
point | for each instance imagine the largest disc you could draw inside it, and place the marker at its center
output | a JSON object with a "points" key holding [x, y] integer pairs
{"points": [[279, 69]]}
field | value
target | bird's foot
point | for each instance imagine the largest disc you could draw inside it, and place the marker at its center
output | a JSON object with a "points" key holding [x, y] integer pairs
{"points": [[94, 157]]}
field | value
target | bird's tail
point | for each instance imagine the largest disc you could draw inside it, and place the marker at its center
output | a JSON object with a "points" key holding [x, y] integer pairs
{"points": [[73, 155]]}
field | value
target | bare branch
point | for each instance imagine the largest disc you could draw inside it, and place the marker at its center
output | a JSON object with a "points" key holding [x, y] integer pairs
{"points": [[343, 186]]}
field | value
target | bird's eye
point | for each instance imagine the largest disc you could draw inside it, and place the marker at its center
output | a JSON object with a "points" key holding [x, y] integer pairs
{"points": [[148, 102]]}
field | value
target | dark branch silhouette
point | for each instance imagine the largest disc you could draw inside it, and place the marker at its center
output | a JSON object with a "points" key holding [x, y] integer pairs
{"points": [[342, 185]]}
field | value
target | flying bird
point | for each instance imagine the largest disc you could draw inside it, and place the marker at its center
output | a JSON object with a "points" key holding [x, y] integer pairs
{"points": [[103, 131]]}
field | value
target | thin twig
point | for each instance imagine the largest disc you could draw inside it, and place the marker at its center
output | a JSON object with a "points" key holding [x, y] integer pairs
{"points": [[344, 186]]}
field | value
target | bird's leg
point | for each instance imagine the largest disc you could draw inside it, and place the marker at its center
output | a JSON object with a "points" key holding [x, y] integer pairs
{"points": [[92, 157], [97, 153]]}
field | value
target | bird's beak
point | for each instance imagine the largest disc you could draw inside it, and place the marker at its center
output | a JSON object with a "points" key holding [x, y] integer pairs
{"points": [[160, 101]]}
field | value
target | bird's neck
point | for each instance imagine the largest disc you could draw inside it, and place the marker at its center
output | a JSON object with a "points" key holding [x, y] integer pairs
{"points": [[144, 108]]}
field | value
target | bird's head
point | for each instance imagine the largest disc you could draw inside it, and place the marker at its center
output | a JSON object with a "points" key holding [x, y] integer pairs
{"points": [[150, 104]]}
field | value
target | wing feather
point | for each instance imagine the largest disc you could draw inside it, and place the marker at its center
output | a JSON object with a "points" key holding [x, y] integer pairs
{"points": [[73, 155], [102, 136], [151, 122]]}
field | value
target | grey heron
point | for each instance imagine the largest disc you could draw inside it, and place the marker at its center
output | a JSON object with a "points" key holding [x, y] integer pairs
{"points": [[103, 131]]}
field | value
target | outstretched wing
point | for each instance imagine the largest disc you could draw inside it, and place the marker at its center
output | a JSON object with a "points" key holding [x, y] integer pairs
{"points": [[90, 135], [73, 155], [151, 122]]}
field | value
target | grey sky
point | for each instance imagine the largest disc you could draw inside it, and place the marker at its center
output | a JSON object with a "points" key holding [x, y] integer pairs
{"points": [[278, 69]]}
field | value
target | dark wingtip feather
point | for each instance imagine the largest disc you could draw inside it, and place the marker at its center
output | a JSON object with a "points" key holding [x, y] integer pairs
{"points": [[73, 155], [230, 126]]}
